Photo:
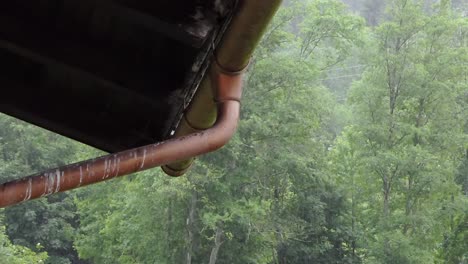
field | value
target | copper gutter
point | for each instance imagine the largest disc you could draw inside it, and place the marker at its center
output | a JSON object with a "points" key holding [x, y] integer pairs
{"points": [[223, 88]]}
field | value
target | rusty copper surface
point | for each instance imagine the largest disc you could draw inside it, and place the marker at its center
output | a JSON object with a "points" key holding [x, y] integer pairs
{"points": [[228, 89]]}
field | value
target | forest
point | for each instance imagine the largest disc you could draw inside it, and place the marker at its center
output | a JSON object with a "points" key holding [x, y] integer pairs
{"points": [[352, 148]]}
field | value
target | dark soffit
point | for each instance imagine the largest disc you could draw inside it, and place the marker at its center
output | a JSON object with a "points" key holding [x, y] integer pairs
{"points": [[111, 74]]}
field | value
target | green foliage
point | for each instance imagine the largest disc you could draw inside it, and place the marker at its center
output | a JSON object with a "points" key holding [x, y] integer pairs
{"points": [[456, 243], [14, 254], [50, 222], [406, 134], [130, 220]]}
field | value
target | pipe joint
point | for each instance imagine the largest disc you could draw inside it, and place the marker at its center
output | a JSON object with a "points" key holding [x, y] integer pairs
{"points": [[226, 85], [227, 93]]}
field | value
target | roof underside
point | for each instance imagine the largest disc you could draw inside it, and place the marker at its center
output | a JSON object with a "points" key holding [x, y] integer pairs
{"points": [[111, 74]]}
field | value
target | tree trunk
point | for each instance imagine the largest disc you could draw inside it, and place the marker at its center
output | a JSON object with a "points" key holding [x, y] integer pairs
{"points": [[353, 224], [408, 206], [218, 242], [190, 226], [169, 234], [386, 213], [386, 201], [280, 247]]}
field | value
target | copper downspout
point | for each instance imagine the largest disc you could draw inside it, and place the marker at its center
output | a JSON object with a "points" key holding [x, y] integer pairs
{"points": [[234, 51], [236, 48], [229, 90]]}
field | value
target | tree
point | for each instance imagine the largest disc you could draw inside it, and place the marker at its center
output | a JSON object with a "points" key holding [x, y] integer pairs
{"points": [[237, 205], [14, 254], [50, 222], [407, 132], [308, 178]]}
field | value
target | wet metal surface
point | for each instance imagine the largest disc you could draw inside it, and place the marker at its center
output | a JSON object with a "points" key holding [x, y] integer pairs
{"points": [[133, 160]]}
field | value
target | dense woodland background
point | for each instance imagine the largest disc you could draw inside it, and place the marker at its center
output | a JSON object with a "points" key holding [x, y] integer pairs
{"points": [[352, 148]]}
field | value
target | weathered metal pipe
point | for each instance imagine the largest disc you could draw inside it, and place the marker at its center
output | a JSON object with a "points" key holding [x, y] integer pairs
{"points": [[228, 89], [234, 52]]}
